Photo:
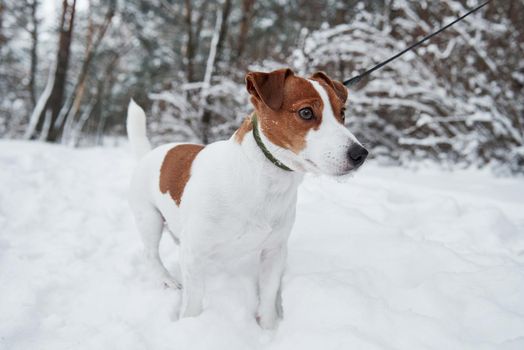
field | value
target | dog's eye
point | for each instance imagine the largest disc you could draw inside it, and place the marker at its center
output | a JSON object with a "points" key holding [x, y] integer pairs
{"points": [[343, 115], [306, 113]]}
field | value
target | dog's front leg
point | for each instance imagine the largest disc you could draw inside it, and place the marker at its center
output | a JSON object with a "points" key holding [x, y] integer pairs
{"points": [[272, 263]]}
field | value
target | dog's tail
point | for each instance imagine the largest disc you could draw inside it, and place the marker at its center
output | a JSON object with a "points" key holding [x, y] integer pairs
{"points": [[136, 130]]}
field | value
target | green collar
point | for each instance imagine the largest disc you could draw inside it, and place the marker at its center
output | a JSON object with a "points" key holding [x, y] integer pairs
{"points": [[263, 148]]}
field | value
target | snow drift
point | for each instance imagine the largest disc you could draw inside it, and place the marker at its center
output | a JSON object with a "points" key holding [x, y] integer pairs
{"points": [[390, 259]]}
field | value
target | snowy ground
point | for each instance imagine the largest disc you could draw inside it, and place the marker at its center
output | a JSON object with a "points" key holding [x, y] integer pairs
{"points": [[391, 259]]}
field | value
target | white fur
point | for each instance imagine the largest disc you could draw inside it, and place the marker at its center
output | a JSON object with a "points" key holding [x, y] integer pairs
{"points": [[136, 130], [235, 203], [327, 148]]}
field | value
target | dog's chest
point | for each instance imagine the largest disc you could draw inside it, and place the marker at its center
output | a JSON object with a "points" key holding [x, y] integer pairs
{"points": [[257, 218], [232, 204]]}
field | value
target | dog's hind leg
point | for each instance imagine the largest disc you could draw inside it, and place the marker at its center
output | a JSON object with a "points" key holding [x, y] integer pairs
{"points": [[150, 223]]}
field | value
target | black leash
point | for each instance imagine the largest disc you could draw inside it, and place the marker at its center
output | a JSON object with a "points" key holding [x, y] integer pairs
{"points": [[352, 81]]}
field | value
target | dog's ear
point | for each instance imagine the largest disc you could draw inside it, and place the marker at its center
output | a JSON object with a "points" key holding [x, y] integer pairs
{"points": [[337, 86], [268, 87]]}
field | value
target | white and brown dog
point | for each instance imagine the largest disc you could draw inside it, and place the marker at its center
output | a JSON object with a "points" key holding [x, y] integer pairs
{"points": [[238, 196]]}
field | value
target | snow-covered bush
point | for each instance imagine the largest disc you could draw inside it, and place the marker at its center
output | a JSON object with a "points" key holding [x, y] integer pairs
{"points": [[452, 101], [181, 113]]}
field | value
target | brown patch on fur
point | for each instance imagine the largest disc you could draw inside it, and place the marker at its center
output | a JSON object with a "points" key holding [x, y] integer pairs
{"points": [[245, 127], [268, 87], [283, 126], [336, 86], [176, 169], [336, 92]]}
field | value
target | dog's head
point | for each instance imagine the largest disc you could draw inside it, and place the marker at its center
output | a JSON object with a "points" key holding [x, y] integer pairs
{"points": [[304, 121]]}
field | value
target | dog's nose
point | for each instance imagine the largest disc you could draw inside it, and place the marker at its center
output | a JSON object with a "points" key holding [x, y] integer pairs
{"points": [[357, 155]]}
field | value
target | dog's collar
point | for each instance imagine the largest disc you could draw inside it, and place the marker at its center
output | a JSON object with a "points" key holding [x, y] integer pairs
{"points": [[263, 148]]}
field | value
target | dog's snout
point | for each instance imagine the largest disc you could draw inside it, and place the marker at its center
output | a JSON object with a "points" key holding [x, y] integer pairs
{"points": [[357, 155]]}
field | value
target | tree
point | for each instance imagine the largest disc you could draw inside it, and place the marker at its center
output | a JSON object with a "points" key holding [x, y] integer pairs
{"points": [[245, 23], [2, 37], [94, 39], [33, 30], [190, 43], [45, 115]]}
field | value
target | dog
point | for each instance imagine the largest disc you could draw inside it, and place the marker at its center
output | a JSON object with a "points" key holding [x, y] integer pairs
{"points": [[238, 196]]}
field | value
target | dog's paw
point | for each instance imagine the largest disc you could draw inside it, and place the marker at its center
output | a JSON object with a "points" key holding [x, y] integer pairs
{"points": [[169, 282], [267, 320], [193, 311]]}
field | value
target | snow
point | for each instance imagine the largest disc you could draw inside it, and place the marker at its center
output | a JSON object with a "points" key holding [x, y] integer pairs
{"points": [[392, 258]]}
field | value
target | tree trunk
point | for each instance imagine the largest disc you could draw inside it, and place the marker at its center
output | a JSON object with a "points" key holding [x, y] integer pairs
{"points": [[54, 102], [226, 10], [200, 24], [190, 45], [34, 53], [247, 15], [2, 37], [203, 112], [107, 96], [70, 112], [64, 48]]}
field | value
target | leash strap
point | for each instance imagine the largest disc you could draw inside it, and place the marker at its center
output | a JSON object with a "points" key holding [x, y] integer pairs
{"points": [[263, 148], [352, 81]]}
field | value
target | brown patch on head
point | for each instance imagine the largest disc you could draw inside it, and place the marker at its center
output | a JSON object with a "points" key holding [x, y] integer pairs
{"points": [[277, 107], [337, 93], [268, 87], [176, 169], [245, 127]]}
